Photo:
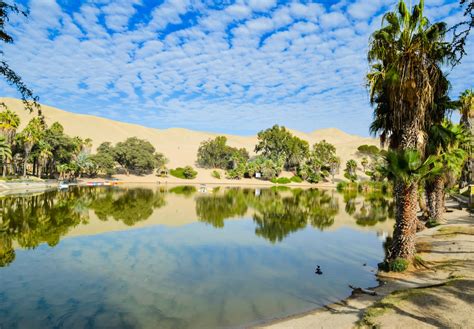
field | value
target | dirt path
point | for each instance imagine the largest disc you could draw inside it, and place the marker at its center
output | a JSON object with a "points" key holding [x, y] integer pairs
{"points": [[437, 293]]}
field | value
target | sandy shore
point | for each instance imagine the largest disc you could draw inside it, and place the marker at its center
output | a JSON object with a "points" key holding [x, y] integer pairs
{"points": [[438, 292], [203, 179]]}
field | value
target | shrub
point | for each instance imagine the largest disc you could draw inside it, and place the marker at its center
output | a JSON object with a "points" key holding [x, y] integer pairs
{"points": [[184, 173], [398, 265], [237, 173], [281, 180], [215, 153], [296, 179], [216, 174]]}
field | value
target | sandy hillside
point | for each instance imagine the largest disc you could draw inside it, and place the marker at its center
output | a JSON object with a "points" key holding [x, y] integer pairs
{"points": [[179, 145]]}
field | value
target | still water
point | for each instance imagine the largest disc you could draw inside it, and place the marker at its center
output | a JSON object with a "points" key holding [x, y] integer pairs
{"points": [[135, 257]]}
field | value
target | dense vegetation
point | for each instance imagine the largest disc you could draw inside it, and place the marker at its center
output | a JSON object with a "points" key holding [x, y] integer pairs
{"points": [[409, 92], [214, 153], [277, 150], [47, 152]]}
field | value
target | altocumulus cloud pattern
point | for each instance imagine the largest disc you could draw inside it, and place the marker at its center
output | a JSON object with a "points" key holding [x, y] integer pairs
{"points": [[224, 66]]}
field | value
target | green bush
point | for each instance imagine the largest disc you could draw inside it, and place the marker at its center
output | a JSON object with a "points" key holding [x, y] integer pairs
{"points": [[281, 180], [184, 173], [296, 179], [398, 265], [216, 174]]}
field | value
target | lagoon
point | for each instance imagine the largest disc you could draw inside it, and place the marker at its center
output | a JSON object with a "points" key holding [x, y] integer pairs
{"points": [[178, 257]]}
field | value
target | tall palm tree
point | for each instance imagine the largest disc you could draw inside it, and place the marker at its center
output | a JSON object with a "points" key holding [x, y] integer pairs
{"points": [[5, 151], [9, 122], [31, 135], [446, 142], [406, 56], [407, 170], [466, 109], [44, 154]]}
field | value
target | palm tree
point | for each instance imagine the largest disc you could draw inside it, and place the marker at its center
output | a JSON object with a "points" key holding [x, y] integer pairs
{"points": [[5, 151], [9, 122], [44, 155], [407, 169], [29, 137], [466, 108], [406, 56], [446, 141]]}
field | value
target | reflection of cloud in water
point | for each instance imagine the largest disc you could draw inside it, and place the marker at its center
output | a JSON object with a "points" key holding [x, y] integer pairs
{"points": [[190, 276], [197, 268]]}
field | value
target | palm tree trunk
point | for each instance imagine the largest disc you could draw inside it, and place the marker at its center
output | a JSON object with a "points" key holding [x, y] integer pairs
{"points": [[431, 199], [439, 192], [25, 163], [403, 244]]}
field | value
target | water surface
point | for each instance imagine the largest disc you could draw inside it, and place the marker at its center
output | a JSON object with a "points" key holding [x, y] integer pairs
{"points": [[135, 257]]}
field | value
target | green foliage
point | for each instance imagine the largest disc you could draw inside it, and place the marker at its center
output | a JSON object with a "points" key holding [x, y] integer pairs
{"points": [[136, 155], [408, 167], [216, 174], [184, 173], [351, 170], [296, 179], [214, 153], [238, 172], [398, 265], [104, 163], [278, 144], [281, 180], [368, 150], [321, 163]]}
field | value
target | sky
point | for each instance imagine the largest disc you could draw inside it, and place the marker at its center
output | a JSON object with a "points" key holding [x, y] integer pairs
{"points": [[223, 66]]}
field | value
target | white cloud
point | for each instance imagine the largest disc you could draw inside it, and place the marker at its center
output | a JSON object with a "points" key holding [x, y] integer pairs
{"points": [[238, 67]]}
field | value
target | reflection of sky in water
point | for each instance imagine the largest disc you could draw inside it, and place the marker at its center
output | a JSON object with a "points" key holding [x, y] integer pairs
{"points": [[193, 276]]}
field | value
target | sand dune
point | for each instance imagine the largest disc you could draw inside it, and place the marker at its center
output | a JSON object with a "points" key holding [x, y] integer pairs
{"points": [[178, 144]]}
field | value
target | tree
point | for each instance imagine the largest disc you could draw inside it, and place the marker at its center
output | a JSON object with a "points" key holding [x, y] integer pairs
{"points": [[407, 169], [215, 153], [445, 142], [351, 167], [364, 163], [5, 151], [406, 56], [135, 155], [461, 31], [466, 108], [29, 99], [31, 135], [9, 122], [334, 164], [277, 143], [44, 154], [104, 163]]}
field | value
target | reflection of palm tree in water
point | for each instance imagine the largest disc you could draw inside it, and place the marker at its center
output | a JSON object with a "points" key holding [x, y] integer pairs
{"points": [[374, 210], [34, 219]]}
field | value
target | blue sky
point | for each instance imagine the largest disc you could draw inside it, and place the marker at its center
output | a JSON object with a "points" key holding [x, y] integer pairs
{"points": [[223, 66]]}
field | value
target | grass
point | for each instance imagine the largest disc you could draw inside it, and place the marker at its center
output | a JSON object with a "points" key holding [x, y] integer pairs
{"points": [[184, 173], [296, 179], [281, 180], [450, 231], [216, 174]]}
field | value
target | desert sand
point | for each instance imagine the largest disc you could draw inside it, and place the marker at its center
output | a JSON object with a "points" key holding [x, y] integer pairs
{"points": [[177, 144]]}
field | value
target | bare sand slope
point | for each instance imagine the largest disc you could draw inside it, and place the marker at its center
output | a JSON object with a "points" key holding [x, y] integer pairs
{"points": [[179, 145]]}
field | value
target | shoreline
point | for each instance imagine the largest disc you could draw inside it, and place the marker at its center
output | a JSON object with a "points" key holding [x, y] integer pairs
{"points": [[437, 271], [23, 187]]}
